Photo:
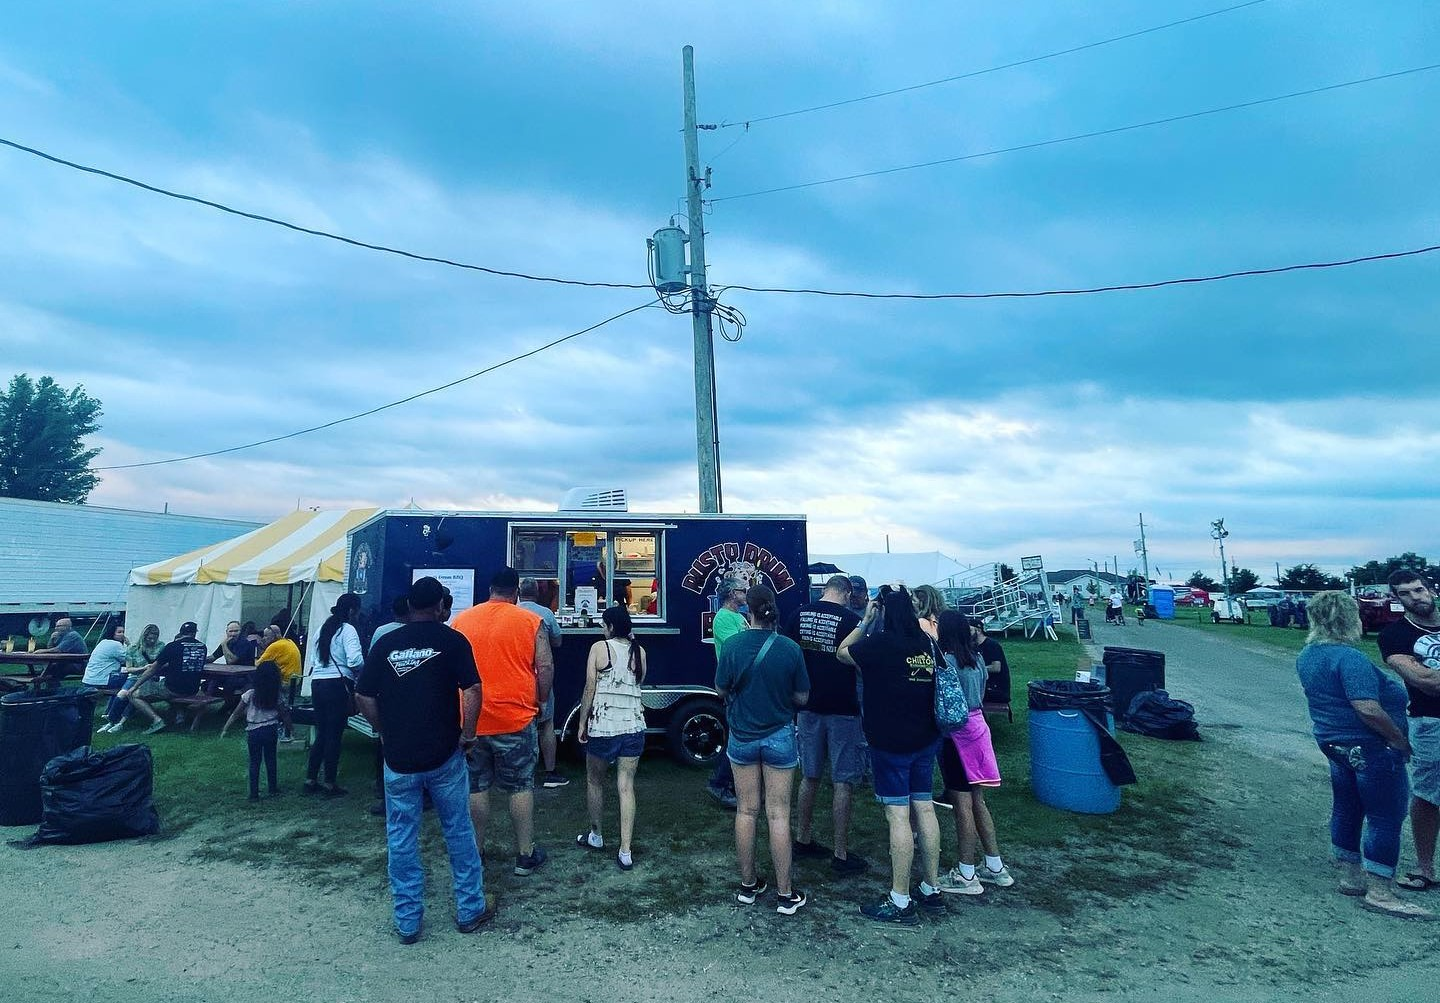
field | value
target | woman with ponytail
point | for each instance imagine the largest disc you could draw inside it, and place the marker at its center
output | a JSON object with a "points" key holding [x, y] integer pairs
{"points": [[338, 658], [612, 727], [762, 678]]}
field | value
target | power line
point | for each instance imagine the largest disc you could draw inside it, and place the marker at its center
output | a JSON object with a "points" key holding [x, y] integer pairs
{"points": [[989, 69], [1079, 136], [1125, 287], [259, 218], [382, 407]]}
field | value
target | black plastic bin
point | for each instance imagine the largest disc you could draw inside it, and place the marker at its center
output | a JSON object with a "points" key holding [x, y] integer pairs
{"points": [[34, 729], [1129, 671]]}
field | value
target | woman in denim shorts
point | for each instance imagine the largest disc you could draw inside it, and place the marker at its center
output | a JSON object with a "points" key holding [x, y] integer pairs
{"points": [[612, 727], [761, 675]]}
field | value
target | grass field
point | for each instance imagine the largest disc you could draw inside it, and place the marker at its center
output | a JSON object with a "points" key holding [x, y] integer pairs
{"points": [[1064, 859], [1285, 638]]}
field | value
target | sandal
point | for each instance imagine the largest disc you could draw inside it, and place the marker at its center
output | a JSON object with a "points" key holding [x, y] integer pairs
{"points": [[1397, 907], [1416, 882]]}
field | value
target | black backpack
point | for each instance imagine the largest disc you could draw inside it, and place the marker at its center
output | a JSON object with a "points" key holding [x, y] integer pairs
{"points": [[1157, 714]]}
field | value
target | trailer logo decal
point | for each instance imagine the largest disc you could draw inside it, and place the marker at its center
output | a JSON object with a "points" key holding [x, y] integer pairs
{"points": [[749, 562]]}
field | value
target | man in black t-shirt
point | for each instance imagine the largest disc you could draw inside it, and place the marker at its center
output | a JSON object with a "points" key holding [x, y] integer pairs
{"points": [[829, 725], [176, 672], [420, 692], [997, 667], [1411, 647]]}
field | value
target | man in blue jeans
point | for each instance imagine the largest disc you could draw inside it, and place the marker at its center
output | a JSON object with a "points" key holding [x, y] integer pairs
{"points": [[420, 692]]}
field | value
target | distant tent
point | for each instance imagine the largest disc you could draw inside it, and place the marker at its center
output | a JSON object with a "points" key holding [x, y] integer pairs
{"points": [[927, 568], [248, 578]]}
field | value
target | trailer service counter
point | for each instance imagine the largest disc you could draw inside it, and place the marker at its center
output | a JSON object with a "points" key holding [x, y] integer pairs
{"points": [[666, 569]]}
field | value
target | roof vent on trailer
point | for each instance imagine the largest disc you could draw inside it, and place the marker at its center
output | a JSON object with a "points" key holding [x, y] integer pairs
{"points": [[595, 500]]}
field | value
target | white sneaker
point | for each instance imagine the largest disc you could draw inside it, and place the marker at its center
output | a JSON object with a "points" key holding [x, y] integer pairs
{"points": [[104, 729], [1000, 878], [952, 882]]}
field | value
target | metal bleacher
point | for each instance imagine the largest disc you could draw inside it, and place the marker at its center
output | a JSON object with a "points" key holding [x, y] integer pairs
{"points": [[1000, 606]]}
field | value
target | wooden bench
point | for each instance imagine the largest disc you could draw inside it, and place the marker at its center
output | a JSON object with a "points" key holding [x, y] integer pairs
{"points": [[994, 709]]}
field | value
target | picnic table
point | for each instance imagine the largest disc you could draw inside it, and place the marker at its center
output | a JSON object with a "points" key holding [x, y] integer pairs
{"points": [[43, 670]]}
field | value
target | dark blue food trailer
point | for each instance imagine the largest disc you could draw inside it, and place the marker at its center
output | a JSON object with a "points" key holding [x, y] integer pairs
{"points": [[666, 569]]}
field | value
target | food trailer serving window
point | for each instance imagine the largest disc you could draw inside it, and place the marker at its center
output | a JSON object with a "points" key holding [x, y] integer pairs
{"points": [[588, 568]]}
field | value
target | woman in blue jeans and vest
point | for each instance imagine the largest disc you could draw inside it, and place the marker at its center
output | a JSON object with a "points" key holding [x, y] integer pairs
{"points": [[1358, 713], [338, 658], [761, 676]]}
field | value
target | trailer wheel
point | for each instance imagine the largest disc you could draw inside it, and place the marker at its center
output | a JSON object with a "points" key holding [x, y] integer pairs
{"points": [[696, 732]]}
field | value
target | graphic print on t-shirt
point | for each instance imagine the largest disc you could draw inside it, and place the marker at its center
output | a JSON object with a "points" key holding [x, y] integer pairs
{"points": [[404, 660], [922, 667]]}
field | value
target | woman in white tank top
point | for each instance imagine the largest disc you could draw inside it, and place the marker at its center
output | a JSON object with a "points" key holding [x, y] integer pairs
{"points": [[612, 727]]}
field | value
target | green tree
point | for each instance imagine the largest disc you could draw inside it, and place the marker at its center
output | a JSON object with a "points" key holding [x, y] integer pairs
{"points": [[1200, 580], [1003, 573], [1242, 579], [1375, 572], [42, 455], [1308, 578]]}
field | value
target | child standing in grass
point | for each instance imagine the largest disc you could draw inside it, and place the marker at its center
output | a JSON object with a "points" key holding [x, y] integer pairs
{"points": [[261, 707]]}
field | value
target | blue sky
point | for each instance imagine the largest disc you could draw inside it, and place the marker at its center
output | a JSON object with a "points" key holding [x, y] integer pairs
{"points": [[545, 138]]}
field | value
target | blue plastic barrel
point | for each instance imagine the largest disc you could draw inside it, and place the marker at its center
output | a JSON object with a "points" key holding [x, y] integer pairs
{"points": [[1065, 770], [1163, 600]]}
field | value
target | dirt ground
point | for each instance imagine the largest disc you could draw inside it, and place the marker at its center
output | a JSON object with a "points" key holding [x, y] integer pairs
{"points": [[1258, 919]]}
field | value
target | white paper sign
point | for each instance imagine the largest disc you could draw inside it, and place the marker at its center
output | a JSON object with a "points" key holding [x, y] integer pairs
{"points": [[460, 582], [587, 597]]}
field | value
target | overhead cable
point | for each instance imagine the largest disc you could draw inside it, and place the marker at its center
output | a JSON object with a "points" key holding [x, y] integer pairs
{"points": [[260, 218], [383, 407], [1123, 287], [747, 122], [1079, 136]]}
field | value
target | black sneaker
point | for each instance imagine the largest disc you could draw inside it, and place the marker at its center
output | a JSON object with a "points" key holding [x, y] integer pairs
{"points": [[932, 904], [789, 905], [852, 864], [483, 917], [555, 779], [749, 893], [530, 863], [886, 911], [811, 849], [408, 938]]}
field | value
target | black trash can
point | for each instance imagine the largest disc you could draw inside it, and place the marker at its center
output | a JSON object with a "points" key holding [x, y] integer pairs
{"points": [[1129, 671], [34, 729]]}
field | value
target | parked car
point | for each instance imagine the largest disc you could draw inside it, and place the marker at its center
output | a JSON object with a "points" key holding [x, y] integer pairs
{"points": [[1230, 610], [1262, 598], [1191, 597], [1377, 607]]}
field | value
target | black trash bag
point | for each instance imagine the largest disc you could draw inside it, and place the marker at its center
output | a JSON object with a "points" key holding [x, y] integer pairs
{"points": [[1156, 714], [93, 797], [1089, 699]]}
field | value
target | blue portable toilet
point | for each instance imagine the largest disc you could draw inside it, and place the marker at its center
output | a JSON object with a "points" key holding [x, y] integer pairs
{"points": [[1162, 597]]}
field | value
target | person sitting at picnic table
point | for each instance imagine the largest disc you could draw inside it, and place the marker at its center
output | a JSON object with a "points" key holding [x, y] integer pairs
{"points": [[138, 656], [236, 649], [107, 662], [276, 647], [178, 668], [65, 640]]}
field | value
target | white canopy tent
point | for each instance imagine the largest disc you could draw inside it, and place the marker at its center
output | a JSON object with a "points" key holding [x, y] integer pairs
{"points": [[299, 559], [927, 568]]}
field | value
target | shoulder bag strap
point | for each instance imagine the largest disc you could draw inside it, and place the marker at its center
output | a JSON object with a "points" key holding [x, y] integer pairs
{"points": [[745, 673]]}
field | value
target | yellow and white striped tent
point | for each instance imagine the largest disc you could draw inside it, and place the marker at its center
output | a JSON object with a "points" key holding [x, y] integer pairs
{"points": [[297, 560]]}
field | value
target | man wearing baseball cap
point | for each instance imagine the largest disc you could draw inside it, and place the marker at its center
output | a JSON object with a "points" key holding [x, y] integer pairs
{"points": [[177, 668], [420, 692]]}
